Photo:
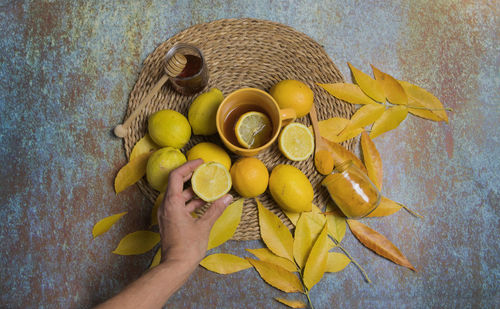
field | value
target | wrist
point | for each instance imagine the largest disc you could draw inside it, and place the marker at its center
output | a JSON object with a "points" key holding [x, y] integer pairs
{"points": [[180, 263]]}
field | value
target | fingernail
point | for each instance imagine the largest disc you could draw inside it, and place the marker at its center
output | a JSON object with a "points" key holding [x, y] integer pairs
{"points": [[226, 199]]}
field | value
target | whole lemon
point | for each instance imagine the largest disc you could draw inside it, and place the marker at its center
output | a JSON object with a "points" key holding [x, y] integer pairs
{"points": [[209, 152], [290, 188], [203, 111], [293, 94], [169, 128], [249, 176], [160, 164]]}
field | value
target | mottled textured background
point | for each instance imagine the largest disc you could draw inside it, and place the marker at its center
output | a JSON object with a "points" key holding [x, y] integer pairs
{"points": [[67, 67]]}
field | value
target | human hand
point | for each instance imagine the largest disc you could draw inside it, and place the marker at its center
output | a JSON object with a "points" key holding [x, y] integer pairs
{"points": [[184, 238]]}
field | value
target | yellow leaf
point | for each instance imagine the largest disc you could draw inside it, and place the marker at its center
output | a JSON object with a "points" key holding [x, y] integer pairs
{"points": [[144, 145], [156, 259], [294, 216], [368, 85], [336, 223], [347, 92], [336, 262], [306, 233], [390, 119], [266, 255], [274, 233], [385, 208], [226, 224], [392, 89], [373, 162], [332, 127], [138, 242], [364, 116], [277, 276], [223, 263], [105, 224], [331, 130], [378, 243], [347, 135], [419, 97], [154, 211], [291, 303], [131, 172], [316, 262]]}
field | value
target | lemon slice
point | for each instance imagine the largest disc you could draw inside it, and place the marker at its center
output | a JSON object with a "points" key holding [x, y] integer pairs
{"points": [[253, 129], [210, 181], [296, 142]]}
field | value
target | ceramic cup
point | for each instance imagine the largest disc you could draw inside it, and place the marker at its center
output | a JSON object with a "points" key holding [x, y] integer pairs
{"points": [[245, 100]]}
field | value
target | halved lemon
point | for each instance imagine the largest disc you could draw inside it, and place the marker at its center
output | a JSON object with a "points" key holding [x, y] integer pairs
{"points": [[253, 129], [296, 142], [211, 181]]}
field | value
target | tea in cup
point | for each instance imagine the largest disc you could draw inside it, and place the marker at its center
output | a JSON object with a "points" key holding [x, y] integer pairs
{"points": [[255, 101]]}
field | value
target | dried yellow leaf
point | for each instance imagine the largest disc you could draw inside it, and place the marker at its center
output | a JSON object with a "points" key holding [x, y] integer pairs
{"points": [[347, 92], [291, 303], [368, 85], [105, 224], [331, 127], [306, 233], [223, 263], [294, 216], [372, 160], [378, 243], [336, 262], [277, 276], [144, 145], [336, 223], [156, 259], [138, 242], [392, 89], [274, 233], [385, 208], [427, 105], [154, 211], [225, 226], [347, 135], [316, 262], [131, 172], [390, 119], [364, 116], [266, 255]]}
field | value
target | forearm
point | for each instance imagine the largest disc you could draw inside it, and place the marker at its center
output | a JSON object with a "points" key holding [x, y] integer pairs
{"points": [[153, 289]]}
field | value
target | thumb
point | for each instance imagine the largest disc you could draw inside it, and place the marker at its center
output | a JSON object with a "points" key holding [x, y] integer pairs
{"points": [[216, 209]]}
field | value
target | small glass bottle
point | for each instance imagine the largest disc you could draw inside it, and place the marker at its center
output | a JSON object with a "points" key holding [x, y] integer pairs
{"points": [[194, 76], [352, 190]]}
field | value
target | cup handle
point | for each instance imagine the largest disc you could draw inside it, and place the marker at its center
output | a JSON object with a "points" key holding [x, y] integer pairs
{"points": [[288, 115]]}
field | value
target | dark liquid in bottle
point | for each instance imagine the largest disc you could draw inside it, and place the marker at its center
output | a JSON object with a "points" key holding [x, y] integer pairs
{"points": [[233, 116], [193, 78], [193, 66]]}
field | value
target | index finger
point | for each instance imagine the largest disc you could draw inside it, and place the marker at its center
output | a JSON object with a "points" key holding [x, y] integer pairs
{"points": [[177, 177]]}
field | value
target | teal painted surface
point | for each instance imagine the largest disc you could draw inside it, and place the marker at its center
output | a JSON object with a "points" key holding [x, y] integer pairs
{"points": [[66, 70]]}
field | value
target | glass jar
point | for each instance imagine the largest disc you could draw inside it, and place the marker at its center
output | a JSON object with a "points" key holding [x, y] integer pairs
{"points": [[194, 76], [352, 190]]}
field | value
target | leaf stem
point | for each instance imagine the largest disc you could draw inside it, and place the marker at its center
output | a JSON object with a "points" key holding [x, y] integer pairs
{"points": [[411, 211], [355, 263], [309, 299], [306, 291], [430, 109]]}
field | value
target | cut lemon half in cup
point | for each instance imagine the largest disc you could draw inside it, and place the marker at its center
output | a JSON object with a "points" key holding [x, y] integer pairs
{"points": [[211, 181], [253, 129], [296, 142]]}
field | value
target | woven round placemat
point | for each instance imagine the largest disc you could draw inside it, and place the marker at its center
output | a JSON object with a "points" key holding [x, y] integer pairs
{"points": [[244, 53]]}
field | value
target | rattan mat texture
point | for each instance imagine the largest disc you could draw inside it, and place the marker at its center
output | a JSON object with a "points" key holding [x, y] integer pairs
{"points": [[244, 53]]}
